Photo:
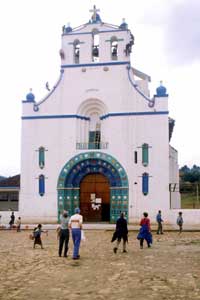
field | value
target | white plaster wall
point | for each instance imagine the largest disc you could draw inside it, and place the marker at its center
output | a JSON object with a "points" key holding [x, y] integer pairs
{"points": [[125, 134], [85, 38], [174, 178]]}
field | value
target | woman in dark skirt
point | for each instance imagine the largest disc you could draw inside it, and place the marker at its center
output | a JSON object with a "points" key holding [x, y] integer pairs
{"points": [[37, 236], [145, 231], [121, 232]]}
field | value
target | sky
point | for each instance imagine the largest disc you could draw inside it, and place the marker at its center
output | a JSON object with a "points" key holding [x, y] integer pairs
{"points": [[167, 47]]}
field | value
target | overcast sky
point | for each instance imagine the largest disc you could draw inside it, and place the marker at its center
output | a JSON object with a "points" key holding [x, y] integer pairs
{"points": [[167, 47]]}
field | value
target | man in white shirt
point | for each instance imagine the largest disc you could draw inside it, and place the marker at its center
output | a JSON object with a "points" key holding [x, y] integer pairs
{"points": [[75, 224]]}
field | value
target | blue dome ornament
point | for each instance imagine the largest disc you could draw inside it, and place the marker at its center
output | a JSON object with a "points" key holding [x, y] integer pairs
{"points": [[30, 97], [161, 91], [124, 25], [68, 28]]}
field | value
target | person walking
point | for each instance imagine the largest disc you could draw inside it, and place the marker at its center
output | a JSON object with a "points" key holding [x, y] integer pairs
{"points": [[12, 220], [179, 221], [75, 224], [159, 220], [121, 232], [18, 223], [145, 231], [64, 234]]}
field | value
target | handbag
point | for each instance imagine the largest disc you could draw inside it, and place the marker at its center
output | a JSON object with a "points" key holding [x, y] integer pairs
{"points": [[83, 236]]}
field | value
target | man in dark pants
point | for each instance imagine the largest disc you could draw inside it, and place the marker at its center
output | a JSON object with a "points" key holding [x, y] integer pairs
{"points": [[12, 220], [159, 220], [64, 234], [121, 232]]}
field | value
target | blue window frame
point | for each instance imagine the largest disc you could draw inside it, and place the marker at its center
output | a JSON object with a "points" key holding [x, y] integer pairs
{"points": [[41, 157], [145, 183], [145, 154], [41, 185]]}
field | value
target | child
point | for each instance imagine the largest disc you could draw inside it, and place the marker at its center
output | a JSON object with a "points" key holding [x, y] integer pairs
{"points": [[18, 224], [37, 236], [145, 231], [179, 222]]}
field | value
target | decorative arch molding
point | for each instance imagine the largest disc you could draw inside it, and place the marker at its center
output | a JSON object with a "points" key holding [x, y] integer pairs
{"points": [[78, 167], [92, 109], [92, 105]]}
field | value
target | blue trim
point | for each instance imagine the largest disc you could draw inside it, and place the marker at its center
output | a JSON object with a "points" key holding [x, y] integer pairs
{"points": [[10, 188], [56, 117], [36, 105], [97, 64], [151, 101], [141, 113], [164, 96], [90, 32]]}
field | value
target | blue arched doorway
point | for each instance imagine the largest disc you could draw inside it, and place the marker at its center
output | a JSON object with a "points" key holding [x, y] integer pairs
{"points": [[84, 164]]}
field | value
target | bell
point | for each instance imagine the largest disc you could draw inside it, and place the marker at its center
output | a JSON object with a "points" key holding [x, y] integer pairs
{"points": [[114, 52], [95, 51]]}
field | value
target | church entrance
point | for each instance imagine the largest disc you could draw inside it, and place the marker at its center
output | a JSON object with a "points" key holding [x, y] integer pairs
{"points": [[95, 198], [97, 183]]}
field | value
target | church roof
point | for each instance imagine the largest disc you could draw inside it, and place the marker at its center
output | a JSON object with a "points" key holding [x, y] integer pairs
{"points": [[95, 19]]}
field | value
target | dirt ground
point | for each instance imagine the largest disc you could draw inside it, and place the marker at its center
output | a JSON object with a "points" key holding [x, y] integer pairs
{"points": [[168, 270]]}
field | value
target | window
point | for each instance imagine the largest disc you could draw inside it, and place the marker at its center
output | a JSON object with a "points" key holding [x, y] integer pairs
{"points": [[145, 183], [94, 139], [76, 52], [95, 46], [41, 157], [145, 154], [135, 157], [114, 48], [94, 131], [41, 185]]}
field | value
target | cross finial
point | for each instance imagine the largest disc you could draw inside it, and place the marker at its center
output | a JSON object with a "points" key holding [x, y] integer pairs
{"points": [[94, 11]]}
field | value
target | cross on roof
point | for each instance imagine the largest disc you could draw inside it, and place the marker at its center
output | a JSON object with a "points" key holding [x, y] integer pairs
{"points": [[94, 11]]}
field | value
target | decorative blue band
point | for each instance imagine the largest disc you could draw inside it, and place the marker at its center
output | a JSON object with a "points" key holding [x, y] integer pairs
{"points": [[56, 117], [97, 64], [90, 32], [36, 105], [17, 188], [151, 101], [164, 96], [142, 113]]}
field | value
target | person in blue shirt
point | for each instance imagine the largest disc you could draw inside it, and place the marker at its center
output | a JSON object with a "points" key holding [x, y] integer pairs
{"points": [[179, 221], [159, 220]]}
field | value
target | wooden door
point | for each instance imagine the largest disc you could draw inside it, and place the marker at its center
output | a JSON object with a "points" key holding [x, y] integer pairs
{"points": [[98, 185]]}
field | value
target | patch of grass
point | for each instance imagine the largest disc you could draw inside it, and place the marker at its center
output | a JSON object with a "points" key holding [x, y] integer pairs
{"points": [[190, 201]]}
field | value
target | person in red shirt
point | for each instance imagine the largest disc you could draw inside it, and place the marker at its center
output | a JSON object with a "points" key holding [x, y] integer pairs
{"points": [[145, 231]]}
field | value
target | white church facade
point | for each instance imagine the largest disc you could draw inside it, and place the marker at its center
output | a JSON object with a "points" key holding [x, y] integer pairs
{"points": [[97, 140]]}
